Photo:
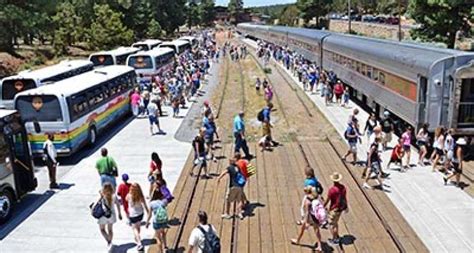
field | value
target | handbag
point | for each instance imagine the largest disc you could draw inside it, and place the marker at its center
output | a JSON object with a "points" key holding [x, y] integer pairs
{"points": [[251, 170], [100, 209], [112, 170]]}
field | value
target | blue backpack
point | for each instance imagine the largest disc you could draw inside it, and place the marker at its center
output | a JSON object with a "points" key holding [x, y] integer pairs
{"points": [[212, 243], [239, 178]]}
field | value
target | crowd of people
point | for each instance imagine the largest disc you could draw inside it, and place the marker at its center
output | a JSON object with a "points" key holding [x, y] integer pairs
{"points": [[447, 153]]}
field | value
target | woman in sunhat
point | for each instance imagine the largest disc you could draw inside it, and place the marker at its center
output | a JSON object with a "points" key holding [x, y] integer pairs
{"points": [[456, 162], [337, 201]]}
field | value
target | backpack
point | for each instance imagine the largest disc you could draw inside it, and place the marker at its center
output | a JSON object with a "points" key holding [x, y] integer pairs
{"points": [[100, 209], [342, 200], [319, 188], [260, 116], [346, 134], [239, 178], [212, 243], [161, 215], [318, 211]]}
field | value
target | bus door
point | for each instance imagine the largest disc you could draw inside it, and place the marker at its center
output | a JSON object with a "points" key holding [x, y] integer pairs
{"points": [[23, 171]]}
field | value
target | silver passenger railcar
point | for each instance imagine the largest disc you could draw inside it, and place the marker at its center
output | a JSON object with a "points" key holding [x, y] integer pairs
{"points": [[419, 84]]}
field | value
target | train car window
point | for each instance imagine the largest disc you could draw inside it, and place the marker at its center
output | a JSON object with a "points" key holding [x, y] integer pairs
{"points": [[369, 72], [353, 65], [363, 69], [376, 74], [382, 78], [358, 67]]}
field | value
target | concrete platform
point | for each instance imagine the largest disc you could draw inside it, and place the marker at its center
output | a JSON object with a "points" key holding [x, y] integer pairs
{"points": [[64, 224], [442, 216]]}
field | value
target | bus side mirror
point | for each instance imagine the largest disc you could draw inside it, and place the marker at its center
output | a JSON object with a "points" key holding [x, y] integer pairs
{"points": [[37, 126]]}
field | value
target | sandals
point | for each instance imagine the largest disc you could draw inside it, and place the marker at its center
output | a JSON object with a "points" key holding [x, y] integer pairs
{"points": [[294, 242]]}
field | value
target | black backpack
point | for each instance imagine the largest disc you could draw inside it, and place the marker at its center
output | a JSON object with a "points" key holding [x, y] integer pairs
{"points": [[212, 243], [260, 116]]}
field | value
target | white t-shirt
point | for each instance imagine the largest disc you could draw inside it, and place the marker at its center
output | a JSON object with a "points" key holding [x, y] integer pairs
{"points": [[197, 239], [152, 108]]}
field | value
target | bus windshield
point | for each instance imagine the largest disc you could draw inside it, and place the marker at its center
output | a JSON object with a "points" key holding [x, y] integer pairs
{"points": [[140, 62], [11, 87], [43, 108], [102, 60]]}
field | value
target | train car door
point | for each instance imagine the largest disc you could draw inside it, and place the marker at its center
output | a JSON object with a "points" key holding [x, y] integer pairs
{"points": [[23, 172], [422, 91], [463, 114]]}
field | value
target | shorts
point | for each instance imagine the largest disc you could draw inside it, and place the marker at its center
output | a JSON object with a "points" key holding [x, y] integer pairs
{"points": [[235, 194], [456, 168], [136, 219], [209, 139], [104, 178], [375, 168], [387, 137], [338, 96], [266, 129], [153, 120], [158, 226], [395, 160], [421, 143], [353, 147], [406, 147], [334, 216], [439, 152]]}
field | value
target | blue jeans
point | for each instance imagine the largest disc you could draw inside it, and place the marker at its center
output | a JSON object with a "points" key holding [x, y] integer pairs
{"points": [[107, 179], [241, 143]]}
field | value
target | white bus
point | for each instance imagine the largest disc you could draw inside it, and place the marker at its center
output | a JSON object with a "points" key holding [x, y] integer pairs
{"points": [[30, 79], [75, 110], [179, 46], [117, 56], [192, 40], [153, 62], [147, 44]]}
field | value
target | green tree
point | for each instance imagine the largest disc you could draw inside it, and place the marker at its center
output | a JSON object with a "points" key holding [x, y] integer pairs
{"points": [[170, 14], [207, 11], [235, 8], [289, 15], [138, 17], [154, 29], [193, 15], [313, 9], [440, 19], [68, 27], [107, 30]]}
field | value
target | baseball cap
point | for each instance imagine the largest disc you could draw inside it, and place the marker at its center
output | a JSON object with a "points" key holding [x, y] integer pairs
{"points": [[125, 177]]}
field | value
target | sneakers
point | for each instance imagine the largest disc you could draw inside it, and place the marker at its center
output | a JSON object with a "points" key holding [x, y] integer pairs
{"points": [[385, 175], [367, 186], [240, 216], [226, 216], [140, 248], [336, 241], [445, 180]]}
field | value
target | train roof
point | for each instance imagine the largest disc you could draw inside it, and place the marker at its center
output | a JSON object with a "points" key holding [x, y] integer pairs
{"points": [[154, 52], [50, 71], [302, 32], [118, 51], [80, 82]]}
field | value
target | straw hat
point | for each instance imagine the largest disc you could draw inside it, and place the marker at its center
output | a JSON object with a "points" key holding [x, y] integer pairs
{"points": [[461, 141], [336, 177]]}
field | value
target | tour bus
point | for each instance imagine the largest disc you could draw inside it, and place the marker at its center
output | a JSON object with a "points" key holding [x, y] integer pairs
{"points": [[147, 44], [192, 40], [17, 176], [30, 79], [117, 56], [179, 46], [77, 109], [153, 62]]}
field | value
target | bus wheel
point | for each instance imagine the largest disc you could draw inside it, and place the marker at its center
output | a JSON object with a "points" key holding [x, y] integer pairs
{"points": [[6, 205], [92, 135]]}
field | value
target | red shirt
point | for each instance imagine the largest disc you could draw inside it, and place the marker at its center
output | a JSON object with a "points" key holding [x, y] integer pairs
{"points": [[334, 195], [122, 191], [396, 152], [242, 164], [154, 166]]}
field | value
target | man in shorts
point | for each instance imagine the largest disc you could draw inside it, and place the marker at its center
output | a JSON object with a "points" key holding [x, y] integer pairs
{"points": [[267, 125], [235, 194], [153, 116], [351, 136], [337, 201], [387, 129], [200, 152]]}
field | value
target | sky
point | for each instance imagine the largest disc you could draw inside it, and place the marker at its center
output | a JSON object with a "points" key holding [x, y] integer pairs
{"points": [[251, 3]]}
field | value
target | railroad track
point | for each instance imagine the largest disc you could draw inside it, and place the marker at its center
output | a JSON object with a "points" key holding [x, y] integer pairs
{"points": [[383, 221]]}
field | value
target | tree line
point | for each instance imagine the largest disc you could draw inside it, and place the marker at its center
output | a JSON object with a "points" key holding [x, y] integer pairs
{"points": [[96, 24], [438, 20]]}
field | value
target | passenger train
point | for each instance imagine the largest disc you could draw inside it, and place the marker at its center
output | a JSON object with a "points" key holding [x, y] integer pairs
{"points": [[418, 84]]}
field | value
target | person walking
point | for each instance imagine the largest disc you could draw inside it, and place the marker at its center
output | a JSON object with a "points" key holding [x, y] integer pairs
{"points": [[122, 191], [438, 147], [351, 136], [457, 162], [107, 168], [50, 155], [449, 144], [200, 153], [345, 97], [422, 143], [268, 92], [338, 91], [199, 239], [209, 135], [374, 165], [266, 123], [406, 138], [337, 201], [258, 84], [135, 102], [387, 129], [239, 135], [153, 117], [235, 193], [155, 169], [107, 197], [397, 154], [158, 206], [370, 124], [137, 207]]}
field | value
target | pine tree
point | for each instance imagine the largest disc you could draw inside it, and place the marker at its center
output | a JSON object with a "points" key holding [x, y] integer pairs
{"points": [[154, 29], [67, 27], [235, 8], [207, 11], [107, 30], [313, 9]]}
